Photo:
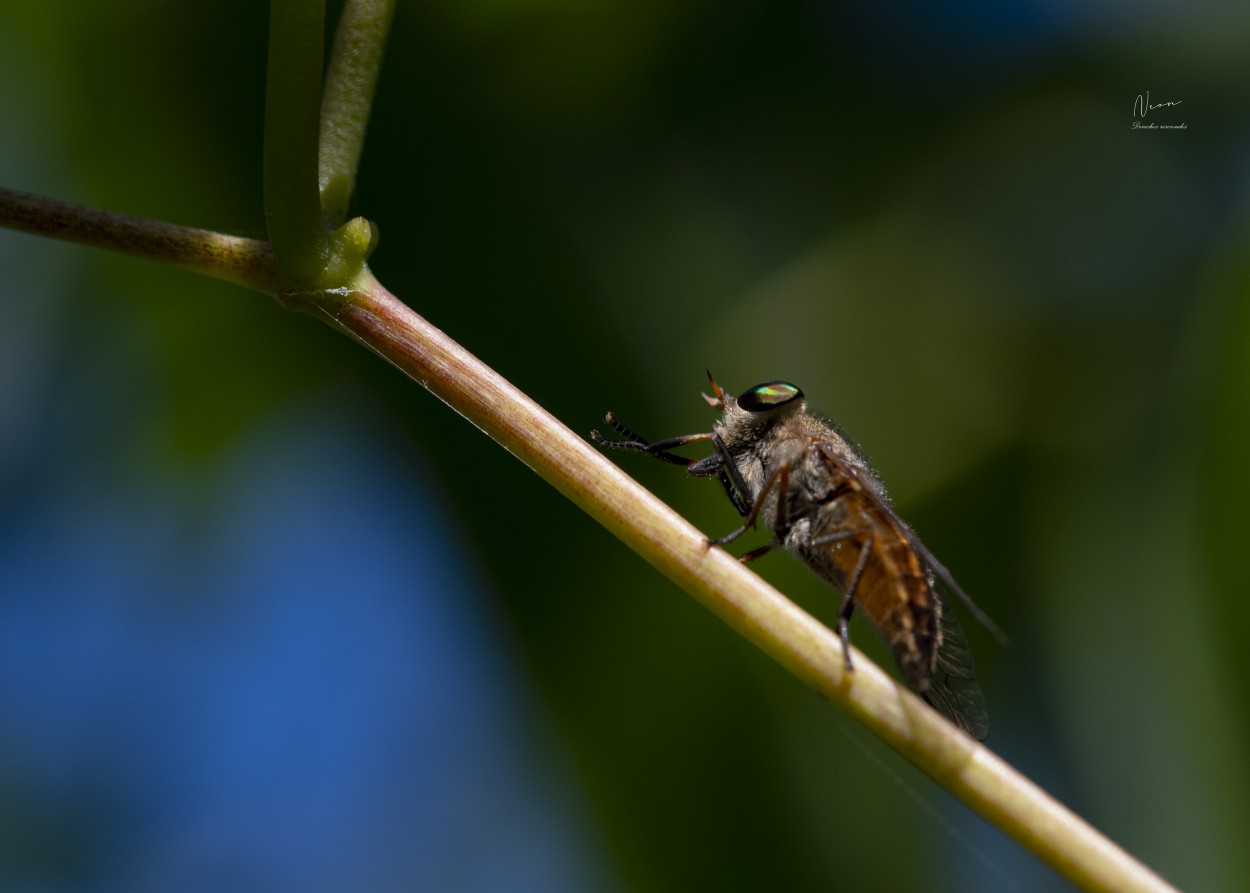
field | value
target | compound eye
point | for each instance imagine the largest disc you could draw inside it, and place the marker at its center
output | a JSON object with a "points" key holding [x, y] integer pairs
{"points": [[769, 395]]}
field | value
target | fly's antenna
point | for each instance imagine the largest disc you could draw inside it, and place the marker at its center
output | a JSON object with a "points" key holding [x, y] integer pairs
{"points": [[718, 401]]}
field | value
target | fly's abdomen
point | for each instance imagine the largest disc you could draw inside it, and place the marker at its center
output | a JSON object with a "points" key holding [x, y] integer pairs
{"points": [[895, 594]]}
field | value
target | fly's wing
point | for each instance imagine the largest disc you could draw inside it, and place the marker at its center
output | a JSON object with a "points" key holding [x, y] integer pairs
{"points": [[953, 689]]}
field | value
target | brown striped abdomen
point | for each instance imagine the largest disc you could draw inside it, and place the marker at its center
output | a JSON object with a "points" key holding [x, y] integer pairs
{"points": [[893, 591]]}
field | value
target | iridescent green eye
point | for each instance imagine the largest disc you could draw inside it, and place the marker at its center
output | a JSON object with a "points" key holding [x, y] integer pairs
{"points": [[769, 395]]}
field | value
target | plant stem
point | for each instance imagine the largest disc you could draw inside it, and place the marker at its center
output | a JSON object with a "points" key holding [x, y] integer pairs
{"points": [[800, 643], [366, 311], [297, 230], [242, 261], [349, 87]]}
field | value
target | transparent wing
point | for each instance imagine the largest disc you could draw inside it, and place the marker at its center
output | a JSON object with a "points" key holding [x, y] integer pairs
{"points": [[953, 689]]}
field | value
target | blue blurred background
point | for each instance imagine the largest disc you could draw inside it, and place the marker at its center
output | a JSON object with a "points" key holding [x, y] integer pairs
{"points": [[273, 618]]}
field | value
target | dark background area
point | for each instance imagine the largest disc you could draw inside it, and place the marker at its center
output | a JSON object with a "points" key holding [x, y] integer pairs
{"points": [[271, 617]]}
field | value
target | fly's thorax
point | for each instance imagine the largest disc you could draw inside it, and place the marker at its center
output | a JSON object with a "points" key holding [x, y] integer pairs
{"points": [[835, 443]]}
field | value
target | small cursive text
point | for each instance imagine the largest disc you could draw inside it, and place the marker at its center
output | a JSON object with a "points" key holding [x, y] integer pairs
{"points": [[1142, 106]]}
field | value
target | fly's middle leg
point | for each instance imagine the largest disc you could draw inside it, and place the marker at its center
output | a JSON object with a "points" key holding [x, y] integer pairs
{"points": [[780, 477]]}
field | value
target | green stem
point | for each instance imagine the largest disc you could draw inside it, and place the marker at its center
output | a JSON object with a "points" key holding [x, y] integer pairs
{"points": [[349, 87], [242, 261], [373, 316], [800, 643], [297, 230]]}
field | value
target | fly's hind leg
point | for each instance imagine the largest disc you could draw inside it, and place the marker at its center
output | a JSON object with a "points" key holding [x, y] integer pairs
{"points": [[847, 608], [844, 632]]}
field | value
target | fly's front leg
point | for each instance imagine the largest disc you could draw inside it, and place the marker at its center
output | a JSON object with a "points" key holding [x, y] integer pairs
{"points": [[721, 464], [742, 502], [741, 505], [660, 449]]}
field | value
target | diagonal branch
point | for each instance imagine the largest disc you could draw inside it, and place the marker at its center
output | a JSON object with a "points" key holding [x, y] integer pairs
{"points": [[801, 644], [366, 311]]}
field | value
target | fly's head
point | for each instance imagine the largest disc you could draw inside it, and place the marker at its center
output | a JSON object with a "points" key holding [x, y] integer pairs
{"points": [[756, 413]]}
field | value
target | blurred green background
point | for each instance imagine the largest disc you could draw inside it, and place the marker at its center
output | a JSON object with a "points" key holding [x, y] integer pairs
{"points": [[273, 618]]}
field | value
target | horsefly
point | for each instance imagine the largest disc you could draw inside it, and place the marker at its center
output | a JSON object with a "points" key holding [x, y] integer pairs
{"points": [[815, 491]]}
